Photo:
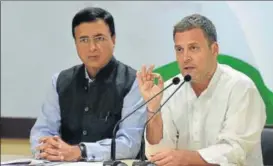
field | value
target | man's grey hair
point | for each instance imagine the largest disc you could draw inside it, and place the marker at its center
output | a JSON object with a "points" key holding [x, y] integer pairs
{"points": [[197, 21]]}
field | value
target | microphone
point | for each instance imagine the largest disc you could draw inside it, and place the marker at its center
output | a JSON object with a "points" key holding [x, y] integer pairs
{"points": [[112, 161], [142, 161]]}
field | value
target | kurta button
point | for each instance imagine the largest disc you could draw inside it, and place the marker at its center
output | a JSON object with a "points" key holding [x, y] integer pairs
{"points": [[86, 109], [84, 132]]}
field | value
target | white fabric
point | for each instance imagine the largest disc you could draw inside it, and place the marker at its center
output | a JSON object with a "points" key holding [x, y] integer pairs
{"points": [[223, 124]]}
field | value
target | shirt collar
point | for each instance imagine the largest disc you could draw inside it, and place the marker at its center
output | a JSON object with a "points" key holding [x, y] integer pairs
{"points": [[213, 82], [215, 76], [103, 72], [211, 86], [87, 76]]}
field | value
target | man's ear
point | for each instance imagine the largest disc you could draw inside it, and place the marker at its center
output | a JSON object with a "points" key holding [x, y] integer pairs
{"points": [[114, 39], [215, 49]]}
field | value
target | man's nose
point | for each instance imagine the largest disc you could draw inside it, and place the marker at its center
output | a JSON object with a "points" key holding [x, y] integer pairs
{"points": [[92, 46], [186, 57]]}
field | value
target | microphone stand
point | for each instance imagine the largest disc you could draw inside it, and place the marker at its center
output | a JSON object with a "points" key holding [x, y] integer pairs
{"points": [[113, 161], [143, 161]]}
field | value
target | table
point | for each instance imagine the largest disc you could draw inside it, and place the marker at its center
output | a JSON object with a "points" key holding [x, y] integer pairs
{"points": [[15, 157], [8, 157]]}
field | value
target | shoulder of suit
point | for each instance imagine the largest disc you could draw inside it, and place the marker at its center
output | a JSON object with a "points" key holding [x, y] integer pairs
{"points": [[56, 75], [130, 68]]}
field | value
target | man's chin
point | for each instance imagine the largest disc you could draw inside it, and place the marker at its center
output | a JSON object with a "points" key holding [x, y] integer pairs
{"points": [[94, 65], [187, 73], [193, 76]]}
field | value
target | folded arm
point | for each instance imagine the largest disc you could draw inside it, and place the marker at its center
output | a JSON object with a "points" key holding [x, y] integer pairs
{"points": [[128, 135], [48, 121]]}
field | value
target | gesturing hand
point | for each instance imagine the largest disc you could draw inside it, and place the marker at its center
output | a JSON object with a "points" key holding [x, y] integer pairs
{"points": [[148, 88]]}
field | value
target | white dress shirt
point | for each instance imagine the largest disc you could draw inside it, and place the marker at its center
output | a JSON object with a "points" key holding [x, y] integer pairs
{"points": [[223, 124]]}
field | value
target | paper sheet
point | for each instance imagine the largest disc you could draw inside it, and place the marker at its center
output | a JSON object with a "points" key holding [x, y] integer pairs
{"points": [[24, 162]]}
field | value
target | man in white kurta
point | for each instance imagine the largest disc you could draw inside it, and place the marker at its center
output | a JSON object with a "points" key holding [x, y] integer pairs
{"points": [[223, 124], [216, 119]]}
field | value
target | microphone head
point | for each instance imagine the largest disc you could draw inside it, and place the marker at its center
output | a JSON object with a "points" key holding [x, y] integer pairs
{"points": [[176, 80], [187, 78]]}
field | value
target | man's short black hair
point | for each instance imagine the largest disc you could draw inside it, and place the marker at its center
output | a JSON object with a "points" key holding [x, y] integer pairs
{"points": [[91, 14]]}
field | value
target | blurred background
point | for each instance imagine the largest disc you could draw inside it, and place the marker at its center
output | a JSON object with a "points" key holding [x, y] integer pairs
{"points": [[37, 42]]}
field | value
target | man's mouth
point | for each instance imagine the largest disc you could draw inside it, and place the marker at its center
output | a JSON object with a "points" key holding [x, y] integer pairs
{"points": [[93, 57], [188, 68]]}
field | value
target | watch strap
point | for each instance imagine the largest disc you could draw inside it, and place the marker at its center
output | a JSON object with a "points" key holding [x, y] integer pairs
{"points": [[83, 151]]}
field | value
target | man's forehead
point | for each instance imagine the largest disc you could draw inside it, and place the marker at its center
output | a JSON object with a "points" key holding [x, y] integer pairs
{"points": [[92, 28], [195, 36]]}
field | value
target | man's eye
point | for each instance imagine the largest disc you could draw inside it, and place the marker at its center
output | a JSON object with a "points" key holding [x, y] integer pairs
{"points": [[100, 38], [84, 40], [194, 48], [179, 49]]}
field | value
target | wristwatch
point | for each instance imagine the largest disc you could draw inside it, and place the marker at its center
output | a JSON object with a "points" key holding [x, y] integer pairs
{"points": [[83, 151]]}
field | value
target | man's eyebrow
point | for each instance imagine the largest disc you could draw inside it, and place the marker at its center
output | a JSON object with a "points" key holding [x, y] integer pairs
{"points": [[82, 37], [177, 46], [96, 35], [189, 44], [99, 34]]}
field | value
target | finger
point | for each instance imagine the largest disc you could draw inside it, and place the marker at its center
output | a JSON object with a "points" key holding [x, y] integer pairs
{"points": [[55, 158], [152, 77], [143, 73], [57, 139], [160, 82], [53, 152], [148, 77], [42, 147], [165, 161], [159, 156], [150, 84], [43, 155], [61, 142], [44, 139], [156, 75], [139, 79], [145, 86], [151, 68], [54, 143], [149, 72]]}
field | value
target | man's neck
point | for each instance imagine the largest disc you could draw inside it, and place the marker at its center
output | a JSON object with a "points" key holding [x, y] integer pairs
{"points": [[92, 72], [198, 88], [202, 85]]}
